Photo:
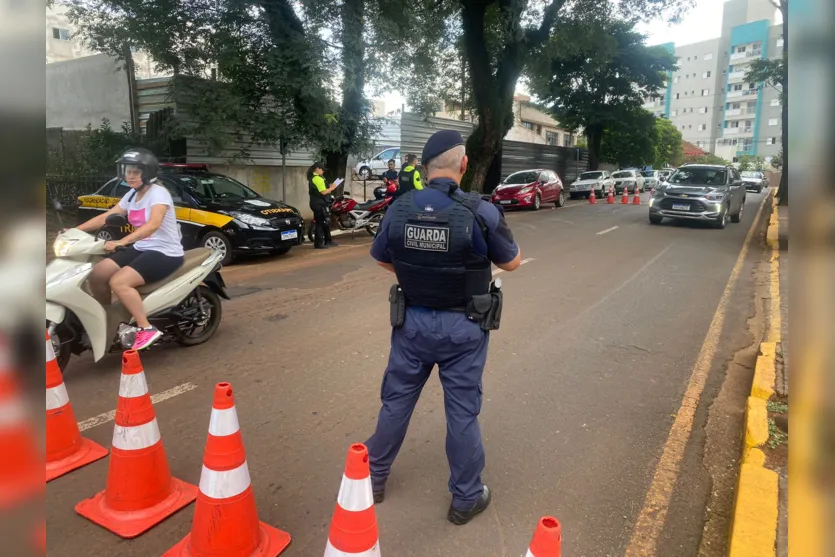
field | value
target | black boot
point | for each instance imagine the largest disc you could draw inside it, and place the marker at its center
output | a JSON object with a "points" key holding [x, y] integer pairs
{"points": [[462, 517], [379, 491]]}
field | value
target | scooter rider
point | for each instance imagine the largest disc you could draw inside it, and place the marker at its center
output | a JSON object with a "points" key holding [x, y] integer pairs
{"points": [[156, 251]]}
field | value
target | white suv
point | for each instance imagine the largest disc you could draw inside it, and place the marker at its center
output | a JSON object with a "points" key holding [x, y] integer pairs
{"points": [[373, 168]]}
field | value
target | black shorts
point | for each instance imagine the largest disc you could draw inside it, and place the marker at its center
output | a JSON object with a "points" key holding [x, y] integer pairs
{"points": [[151, 265]]}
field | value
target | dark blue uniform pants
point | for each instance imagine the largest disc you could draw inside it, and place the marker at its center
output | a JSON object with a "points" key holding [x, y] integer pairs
{"points": [[459, 348]]}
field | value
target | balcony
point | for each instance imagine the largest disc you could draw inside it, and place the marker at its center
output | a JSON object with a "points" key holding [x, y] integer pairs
{"points": [[742, 93], [736, 76], [733, 112], [747, 55], [738, 56], [731, 131]]}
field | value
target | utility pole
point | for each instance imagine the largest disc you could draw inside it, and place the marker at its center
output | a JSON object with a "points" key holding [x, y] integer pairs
{"points": [[130, 70]]}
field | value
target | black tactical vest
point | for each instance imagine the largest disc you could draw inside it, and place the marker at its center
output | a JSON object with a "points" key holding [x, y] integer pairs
{"points": [[432, 252], [316, 198], [406, 181]]}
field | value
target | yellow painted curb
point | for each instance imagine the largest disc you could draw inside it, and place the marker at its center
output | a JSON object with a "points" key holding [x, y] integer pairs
{"points": [[765, 372], [754, 529], [772, 235], [756, 422], [753, 456]]}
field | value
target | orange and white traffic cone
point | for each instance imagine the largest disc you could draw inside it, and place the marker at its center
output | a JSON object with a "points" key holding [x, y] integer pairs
{"points": [[354, 524], [225, 517], [636, 199], [66, 449], [592, 197], [610, 199], [140, 491], [20, 465], [624, 200], [547, 538]]}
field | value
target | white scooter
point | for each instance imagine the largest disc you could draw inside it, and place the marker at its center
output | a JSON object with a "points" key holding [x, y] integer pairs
{"points": [[185, 306]]}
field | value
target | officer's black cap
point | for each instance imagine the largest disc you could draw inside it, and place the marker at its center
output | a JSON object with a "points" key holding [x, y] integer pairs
{"points": [[440, 142]]}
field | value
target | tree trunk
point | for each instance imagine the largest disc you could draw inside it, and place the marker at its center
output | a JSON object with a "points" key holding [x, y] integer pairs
{"points": [[594, 138], [783, 191]]}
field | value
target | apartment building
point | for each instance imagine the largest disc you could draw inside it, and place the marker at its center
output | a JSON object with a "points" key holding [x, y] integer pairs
{"points": [[708, 99]]}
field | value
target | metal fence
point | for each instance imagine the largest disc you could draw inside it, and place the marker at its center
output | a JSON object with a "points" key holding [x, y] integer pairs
{"points": [[567, 162], [66, 189]]}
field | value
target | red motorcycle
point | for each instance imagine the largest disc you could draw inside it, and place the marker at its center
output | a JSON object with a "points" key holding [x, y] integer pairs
{"points": [[354, 216]]}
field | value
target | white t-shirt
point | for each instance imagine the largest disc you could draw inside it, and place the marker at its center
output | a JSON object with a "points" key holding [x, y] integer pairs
{"points": [[166, 239]]}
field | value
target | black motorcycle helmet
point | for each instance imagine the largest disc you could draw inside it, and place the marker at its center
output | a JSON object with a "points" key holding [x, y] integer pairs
{"points": [[141, 158]]}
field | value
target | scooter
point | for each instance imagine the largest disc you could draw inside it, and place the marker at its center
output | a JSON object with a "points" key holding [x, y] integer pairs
{"points": [[353, 216], [185, 306]]}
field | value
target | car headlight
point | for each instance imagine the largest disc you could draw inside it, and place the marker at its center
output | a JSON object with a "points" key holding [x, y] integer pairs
{"points": [[62, 246], [526, 189], [86, 268], [250, 220], [716, 196]]}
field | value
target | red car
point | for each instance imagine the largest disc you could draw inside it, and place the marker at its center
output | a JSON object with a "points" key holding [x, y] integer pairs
{"points": [[530, 189]]}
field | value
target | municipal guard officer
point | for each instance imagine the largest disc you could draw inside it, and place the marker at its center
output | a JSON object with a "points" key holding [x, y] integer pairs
{"points": [[409, 177], [440, 242]]}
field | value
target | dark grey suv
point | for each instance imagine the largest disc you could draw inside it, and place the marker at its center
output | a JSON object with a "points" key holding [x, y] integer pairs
{"points": [[702, 192]]}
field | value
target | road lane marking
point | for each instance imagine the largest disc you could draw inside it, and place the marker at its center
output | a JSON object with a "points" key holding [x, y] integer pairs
{"points": [[528, 260], [653, 514], [602, 232], [159, 397]]}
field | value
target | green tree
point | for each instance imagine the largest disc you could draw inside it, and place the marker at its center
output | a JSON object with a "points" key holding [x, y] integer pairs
{"points": [[630, 141], [709, 158], [751, 162], [777, 161], [775, 73], [595, 74], [668, 149]]}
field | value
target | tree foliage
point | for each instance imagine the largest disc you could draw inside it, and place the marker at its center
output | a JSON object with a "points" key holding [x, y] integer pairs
{"points": [[668, 148], [95, 151], [630, 141], [751, 162], [596, 74], [709, 158]]}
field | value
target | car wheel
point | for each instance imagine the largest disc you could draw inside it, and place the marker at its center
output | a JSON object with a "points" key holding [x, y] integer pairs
{"points": [[537, 203], [655, 219], [722, 221], [217, 240], [280, 250], [560, 200], [760, 189], [738, 217], [104, 235], [365, 173]]}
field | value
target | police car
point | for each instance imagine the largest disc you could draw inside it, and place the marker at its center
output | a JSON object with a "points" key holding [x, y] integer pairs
{"points": [[212, 210]]}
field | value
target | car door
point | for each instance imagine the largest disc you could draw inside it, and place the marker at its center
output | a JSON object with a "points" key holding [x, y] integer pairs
{"points": [[548, 186], [737, 190]]}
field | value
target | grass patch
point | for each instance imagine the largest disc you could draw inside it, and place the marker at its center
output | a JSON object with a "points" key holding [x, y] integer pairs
{"points": [[777, 407], [776, 436]]}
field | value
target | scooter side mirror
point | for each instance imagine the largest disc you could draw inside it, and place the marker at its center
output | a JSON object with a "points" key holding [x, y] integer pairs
{"points": [[116, 221]]}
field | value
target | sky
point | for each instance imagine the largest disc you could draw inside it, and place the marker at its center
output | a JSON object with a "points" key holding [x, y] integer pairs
{"points": [[702, 22]]}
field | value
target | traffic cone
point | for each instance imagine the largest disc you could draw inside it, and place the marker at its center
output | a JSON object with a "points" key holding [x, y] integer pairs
{"points": [[547, 538], [624, 200], [66, 449], [354, 524], [610, 199], [140, 491], [225, 518], [592, 198], [20, 472], [636, 199]]}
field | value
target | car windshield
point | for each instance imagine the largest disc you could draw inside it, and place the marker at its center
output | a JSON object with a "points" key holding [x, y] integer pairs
{"points": [[648, 174], [590, 175], [526, 177], [214, 186], [700, 176], [749, 174], [625, 174]]}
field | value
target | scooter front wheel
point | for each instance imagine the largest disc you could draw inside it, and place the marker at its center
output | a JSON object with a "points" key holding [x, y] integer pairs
{"points": [[199, 317]]}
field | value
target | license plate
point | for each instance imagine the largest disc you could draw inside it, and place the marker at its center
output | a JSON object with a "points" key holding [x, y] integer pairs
{"points": [[289, 235], [681, 207], [504, 202]]}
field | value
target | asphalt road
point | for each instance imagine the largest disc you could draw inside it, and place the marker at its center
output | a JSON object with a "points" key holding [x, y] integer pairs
{"points": [[602, 328]]}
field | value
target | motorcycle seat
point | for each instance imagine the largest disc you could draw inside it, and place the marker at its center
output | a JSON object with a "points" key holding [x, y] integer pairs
{"points": [[192, 259], [365, 205]]}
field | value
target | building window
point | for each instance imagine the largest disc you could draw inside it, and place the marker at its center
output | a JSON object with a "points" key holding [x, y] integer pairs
{"points": [[771, 141], [724, 72], [60, 34], [688, 58], [678, 95], [734, 124], [780, 42], [706, 74], [661, 99], [773, 121], [703, 110], [705, 92], [775, 102], [702, 127], [552, 138], [528, 125], [708, 56], [690, 127], [675, 79], [674, 113]]}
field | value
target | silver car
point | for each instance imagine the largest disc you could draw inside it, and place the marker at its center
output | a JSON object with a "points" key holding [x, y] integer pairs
{"points": [[628, 179], [652, 178], [710, 193], [598, 180]]}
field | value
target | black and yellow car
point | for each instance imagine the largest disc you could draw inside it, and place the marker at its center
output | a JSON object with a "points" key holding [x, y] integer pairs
{"points": [[213, 211]]}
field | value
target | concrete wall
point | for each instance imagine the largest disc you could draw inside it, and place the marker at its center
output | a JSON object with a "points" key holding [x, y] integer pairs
{"points": [[85, 90]]}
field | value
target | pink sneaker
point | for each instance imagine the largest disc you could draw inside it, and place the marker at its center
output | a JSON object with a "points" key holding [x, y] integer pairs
{"points": [[146, 337]]}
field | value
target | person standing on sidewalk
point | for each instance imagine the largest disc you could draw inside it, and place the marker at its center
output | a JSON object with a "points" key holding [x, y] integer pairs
{"points": [[409, 177], [440, 243], [319, 204]]}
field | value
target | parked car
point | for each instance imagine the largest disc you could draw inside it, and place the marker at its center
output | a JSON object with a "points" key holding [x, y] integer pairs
{"points": [[599, 180], [530, 188], [754, 180], [711, 193], [376, 165], [628, 179], [652, 178], [213, 211], [664, 174]]}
